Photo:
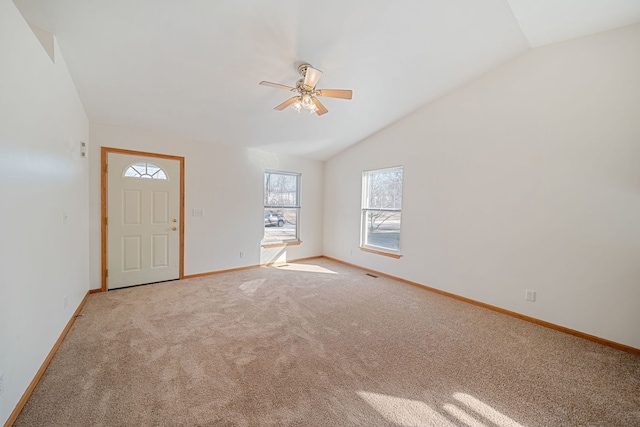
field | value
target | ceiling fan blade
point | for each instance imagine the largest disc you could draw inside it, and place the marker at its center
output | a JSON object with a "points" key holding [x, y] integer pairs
{"points": [[286, 103], [321, 108], [277, 86], [335, 93], [311, 77]]}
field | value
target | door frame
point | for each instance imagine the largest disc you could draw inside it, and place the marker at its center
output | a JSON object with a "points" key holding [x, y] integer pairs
{"points": [[104, 151]]}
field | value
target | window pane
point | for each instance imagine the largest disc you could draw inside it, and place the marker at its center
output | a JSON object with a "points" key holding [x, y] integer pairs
{"points": [[382, 208], [281, 206], [280, 189], [280, 225], [384, 189], [382, 229], [145, 170]]}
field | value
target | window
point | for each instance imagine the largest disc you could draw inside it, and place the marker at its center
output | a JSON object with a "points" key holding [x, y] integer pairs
{"points": [[382, 210], [281, 207], [145, 170]]}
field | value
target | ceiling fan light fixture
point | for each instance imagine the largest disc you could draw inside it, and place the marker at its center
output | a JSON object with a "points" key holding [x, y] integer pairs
{"points": [[306, 102], [297, 105], [307, 92]]}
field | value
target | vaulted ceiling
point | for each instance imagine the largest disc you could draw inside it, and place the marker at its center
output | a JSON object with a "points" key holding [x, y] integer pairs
{"points": [[193, 67]]}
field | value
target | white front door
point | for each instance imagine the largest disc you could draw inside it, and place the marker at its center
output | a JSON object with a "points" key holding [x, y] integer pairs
{"points": [[143, 220]]}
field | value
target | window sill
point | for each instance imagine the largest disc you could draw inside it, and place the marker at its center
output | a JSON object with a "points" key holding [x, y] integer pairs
{"points": [[379, 252], [281, 244]]}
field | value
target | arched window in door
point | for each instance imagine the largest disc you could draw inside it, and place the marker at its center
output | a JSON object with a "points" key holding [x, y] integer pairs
{"points": [[145, 170]]}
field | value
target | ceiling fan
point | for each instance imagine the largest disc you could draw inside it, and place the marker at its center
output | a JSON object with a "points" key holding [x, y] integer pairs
{"points": [[307, 92]]}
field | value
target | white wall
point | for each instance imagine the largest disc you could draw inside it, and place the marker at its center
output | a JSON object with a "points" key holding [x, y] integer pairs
{"points": [[528, 177], [225, 181], [42, 175]]}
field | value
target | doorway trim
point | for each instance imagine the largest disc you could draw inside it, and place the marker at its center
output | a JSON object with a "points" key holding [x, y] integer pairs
{"points": [[104, 151]]}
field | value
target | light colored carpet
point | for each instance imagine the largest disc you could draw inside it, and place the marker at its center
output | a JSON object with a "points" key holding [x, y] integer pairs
{"points": [[322, 344]]}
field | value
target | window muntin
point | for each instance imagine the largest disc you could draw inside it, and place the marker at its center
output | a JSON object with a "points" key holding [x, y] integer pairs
{"points": [[281, 207], [381, 209], [145, 170]]}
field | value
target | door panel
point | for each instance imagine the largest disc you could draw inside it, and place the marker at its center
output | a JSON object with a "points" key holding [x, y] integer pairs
{"points": [[131, 253], [143, 236], [160, 250], [131, 207], [160, 207]]}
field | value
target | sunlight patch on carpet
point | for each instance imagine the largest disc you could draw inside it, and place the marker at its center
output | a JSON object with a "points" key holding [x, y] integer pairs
{"points": [[404, 412], [310, 268], [250, 287], [463, 416], [485, 410]]}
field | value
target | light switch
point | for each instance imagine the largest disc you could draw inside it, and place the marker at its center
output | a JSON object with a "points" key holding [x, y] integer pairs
{"points": [[198, 212]]}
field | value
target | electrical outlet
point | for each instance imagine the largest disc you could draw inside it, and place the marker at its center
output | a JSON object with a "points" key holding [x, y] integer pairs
{"points": [[241, 254], [530, 295], [1, 383]]}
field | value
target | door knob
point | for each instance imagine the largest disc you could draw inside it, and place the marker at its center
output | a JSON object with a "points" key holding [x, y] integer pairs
{"points": [[174, 228], [175, 219]]}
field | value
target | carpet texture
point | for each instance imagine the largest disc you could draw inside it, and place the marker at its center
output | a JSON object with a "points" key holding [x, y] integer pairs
{"points": [[319, 343]]}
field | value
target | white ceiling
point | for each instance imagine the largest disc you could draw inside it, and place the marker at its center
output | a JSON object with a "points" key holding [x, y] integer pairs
{"points": [[193, 67], [551, 21]]}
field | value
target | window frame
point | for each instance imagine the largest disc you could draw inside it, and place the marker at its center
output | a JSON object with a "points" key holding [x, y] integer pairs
{"points": [[297, 206], [366, 208]]}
